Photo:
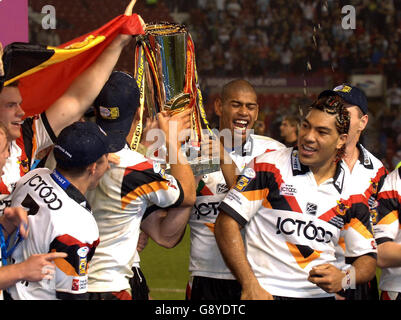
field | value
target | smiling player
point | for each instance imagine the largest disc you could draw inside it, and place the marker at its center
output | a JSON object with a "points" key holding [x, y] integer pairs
{"points": [[294, 207], [237, 109]]}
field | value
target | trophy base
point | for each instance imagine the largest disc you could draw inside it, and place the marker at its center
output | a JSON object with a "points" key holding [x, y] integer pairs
{"points": [[204, 167], [201, 166]]}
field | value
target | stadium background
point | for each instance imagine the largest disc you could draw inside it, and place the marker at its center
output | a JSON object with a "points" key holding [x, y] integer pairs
{"points": [[290, 50]]}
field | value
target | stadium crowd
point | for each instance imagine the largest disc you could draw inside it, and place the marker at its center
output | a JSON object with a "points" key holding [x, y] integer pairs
{"points": [[240, 38]]}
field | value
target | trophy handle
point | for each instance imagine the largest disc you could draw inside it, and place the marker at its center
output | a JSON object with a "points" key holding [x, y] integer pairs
{"points": [[140, 80]]}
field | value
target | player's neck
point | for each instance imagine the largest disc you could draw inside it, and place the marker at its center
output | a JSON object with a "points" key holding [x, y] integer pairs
{"points": [[324, 172], [351, 155], [79, 182]]}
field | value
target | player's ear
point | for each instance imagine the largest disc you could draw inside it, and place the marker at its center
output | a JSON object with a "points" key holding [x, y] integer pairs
{"points": [[218, 106], [363, 122], [342, 139], [91, 168]]}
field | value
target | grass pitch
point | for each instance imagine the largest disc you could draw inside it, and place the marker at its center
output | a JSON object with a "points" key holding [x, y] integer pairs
{"points": [[166, 270]]}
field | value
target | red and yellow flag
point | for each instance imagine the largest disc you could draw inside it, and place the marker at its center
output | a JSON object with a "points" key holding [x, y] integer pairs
{"points": [[45, 73]]}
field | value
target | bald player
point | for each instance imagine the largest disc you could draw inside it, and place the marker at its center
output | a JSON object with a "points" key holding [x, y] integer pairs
{"points": [[237, 109]]}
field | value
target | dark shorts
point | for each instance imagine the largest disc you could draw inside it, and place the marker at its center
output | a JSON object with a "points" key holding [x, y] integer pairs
{"points": [[120, 295], [139, 287], [363, 291], [139, 290], [213, 289], [279, 298]]}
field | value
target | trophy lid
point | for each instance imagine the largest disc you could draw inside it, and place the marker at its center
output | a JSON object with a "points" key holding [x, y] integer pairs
{"points": [[164, 28]]}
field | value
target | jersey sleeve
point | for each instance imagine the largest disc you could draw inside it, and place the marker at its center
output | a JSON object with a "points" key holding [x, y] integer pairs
{"points": [[358, 230], [36, 135], [148, 182], [71, 278], [250, 192], [386, 223]]}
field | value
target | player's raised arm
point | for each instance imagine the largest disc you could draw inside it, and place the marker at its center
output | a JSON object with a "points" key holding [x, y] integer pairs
{"points": [[76, 100]]}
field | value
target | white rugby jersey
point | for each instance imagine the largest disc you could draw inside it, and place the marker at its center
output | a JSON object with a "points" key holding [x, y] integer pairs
{"points": [[36, 134], [292, 224], [125, 194], [367, 177], [60, 220], [387, 226], [205, 258]]}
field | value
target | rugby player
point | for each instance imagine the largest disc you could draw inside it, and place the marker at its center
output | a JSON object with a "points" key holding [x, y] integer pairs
{"points": [[237, 108], [36, 267], [388, 236], [135, 193], [31, 135], [60, 217], [295, 209], [367, 173]]}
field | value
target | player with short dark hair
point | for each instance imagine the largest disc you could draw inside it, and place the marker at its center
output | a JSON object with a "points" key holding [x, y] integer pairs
{"points": [[295, 208]]}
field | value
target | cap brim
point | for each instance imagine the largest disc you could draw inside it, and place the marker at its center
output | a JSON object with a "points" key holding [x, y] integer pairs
{"points": [[116, 140], [117, 132]]}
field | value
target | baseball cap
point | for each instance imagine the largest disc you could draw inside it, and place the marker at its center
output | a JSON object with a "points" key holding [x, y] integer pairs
{"points": [[352, 95], [81, 144], [115, 107]]}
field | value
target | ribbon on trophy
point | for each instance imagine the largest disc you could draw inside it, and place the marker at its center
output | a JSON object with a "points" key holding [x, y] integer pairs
{"points": [[165, 71]]}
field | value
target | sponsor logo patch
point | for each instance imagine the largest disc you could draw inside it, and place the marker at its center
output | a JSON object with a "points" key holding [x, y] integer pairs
{"points": [[311, 208], [82, 266], [75, 285], [343, 88], [83, 252], [110, 113], [341, 208], [287, 190], [222, 188], [242, 183]]}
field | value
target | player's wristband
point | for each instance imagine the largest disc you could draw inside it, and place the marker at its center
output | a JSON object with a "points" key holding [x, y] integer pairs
{"points": [[348, 281]]}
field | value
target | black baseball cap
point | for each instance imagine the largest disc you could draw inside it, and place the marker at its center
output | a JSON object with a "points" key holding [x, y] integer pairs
{"points": [[115, 107], [352, 95], [81, 144]]}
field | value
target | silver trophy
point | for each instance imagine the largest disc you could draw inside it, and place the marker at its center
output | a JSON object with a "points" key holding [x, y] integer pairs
{"points": [[167, 78]]}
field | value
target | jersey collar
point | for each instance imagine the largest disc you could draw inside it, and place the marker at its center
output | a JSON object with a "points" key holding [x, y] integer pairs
{"points": [[298, 168], [245, 149], [338, 179], [364, 158]]}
